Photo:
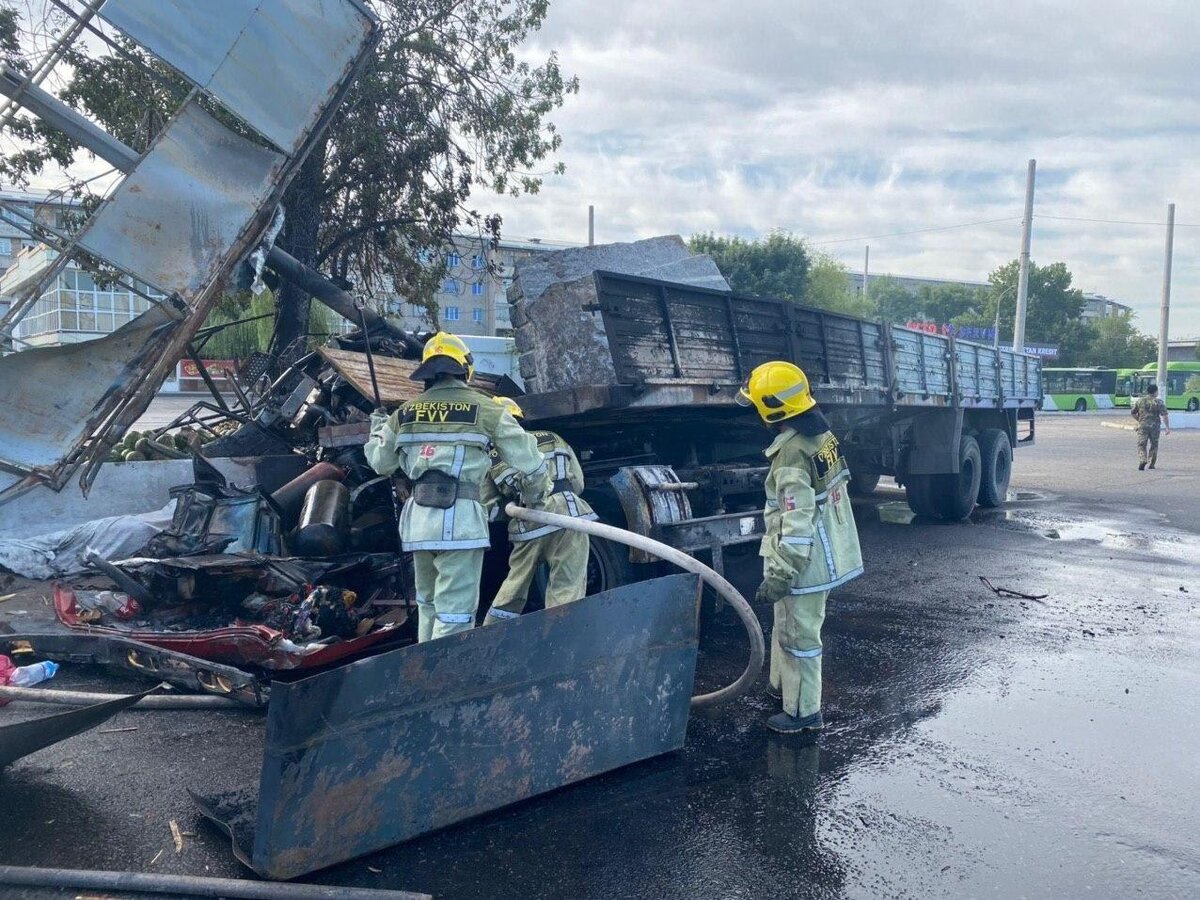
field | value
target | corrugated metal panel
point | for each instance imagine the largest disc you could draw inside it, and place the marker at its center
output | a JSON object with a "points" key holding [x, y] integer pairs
{"points": [[274, 63], [174, 219], [397, 745]]}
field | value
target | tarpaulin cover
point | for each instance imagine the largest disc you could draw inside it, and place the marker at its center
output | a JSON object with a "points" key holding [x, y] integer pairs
{"points": [[61, 553]]}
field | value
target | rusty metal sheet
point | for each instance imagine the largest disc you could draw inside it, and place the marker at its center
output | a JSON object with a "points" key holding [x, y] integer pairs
{"points": [[395, 386], [273, 63], [49, 396], [391, 747], [173, 221]]}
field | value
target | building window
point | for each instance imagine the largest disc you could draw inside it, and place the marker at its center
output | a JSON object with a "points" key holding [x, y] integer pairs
{"points": [[450, 286], [478, 262], [6, 247], [451, 314], [477, 288], [453, 259], [477, 315]]}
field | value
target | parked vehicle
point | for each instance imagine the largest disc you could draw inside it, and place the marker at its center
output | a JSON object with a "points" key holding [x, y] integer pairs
{"points": [[1182, 390], [1079, 390], [667, 452]]}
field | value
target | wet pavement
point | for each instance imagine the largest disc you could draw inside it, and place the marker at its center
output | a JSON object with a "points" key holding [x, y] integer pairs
{"points": [[978, 744]]}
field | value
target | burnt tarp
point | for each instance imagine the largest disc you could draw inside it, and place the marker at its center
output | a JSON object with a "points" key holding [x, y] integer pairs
{"points": [[19, 739], [397, 745]]}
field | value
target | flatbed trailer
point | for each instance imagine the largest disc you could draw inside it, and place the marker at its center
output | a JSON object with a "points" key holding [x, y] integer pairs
{"points": [[667, 451]]}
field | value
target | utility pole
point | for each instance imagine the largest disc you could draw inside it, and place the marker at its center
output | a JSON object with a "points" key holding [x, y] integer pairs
{"points": [[591, 225], [866, 269], [1164, 312], [1023, 273]]}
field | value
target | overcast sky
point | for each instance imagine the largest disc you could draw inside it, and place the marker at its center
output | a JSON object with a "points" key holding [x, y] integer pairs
{"points": [[862, 119]]}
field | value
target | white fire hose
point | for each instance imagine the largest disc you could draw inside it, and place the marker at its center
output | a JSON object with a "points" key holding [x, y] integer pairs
{"points": [[683, 561]]}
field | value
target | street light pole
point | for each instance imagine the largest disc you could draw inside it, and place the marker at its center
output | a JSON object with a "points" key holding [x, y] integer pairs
{"points": [[1023, 273], [1164, 312]]}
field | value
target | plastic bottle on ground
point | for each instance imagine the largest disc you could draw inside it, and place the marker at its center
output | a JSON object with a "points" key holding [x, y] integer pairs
{"points": [[27, 676]]}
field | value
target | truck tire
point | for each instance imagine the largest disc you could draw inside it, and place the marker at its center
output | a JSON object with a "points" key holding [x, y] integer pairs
{"points": [[1081, 405], [609, 567], [955, 496], [863, 484], [995, 453], [1193, 404], [918, 491]]}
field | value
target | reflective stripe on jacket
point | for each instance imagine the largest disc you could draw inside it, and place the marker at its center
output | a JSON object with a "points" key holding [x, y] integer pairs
{"points": [[810, 535], [450, 428], [563, 471]]}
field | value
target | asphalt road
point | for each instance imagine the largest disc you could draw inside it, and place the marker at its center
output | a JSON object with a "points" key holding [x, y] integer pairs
{"points": [[979, 745]]}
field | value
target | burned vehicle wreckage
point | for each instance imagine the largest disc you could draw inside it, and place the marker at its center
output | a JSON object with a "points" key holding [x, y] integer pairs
{"points": [[273, 576]]}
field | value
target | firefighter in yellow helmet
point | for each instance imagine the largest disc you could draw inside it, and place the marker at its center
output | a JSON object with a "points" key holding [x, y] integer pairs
{"points": [[565, 553], [811, 542], [441, 441]]}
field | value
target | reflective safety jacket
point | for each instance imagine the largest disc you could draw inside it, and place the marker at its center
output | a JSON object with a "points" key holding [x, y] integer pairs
{"points": [[566, 479], [449, 429], [810, 535]]}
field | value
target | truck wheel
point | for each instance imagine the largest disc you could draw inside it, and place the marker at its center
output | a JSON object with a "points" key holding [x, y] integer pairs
{"points": [[918, 491], [863, 484], [955, 496], [1193, 404], [609, 566], [1080, 405], [995, 452]]}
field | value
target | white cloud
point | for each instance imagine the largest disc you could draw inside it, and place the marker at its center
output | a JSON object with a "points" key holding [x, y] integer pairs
{"points": [[880, 117]]}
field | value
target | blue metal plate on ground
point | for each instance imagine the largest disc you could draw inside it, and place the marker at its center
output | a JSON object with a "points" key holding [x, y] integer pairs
{"points": [[391, 747]]}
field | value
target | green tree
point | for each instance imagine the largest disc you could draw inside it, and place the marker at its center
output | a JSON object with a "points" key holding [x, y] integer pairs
{"points": [[1054, 311], [447, 104], [783, 266], [895, 302], [828, 286], [776, 266], [1118, 345]]}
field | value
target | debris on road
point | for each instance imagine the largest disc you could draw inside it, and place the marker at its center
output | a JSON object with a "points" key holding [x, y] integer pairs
{"points": [[176, 836], [1009, 592]]}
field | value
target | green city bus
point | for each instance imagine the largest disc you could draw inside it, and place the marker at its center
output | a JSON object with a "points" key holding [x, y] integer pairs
{"points": [[1126, 382], [1078, 389], [1182, 387]]}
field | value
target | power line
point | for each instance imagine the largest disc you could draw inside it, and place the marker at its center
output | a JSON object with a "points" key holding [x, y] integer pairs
{"points": [[1113, 221], [872, 237]]}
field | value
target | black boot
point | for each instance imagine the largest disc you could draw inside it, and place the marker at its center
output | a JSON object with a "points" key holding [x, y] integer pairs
{"points": [[773, 692], [785, 724], [1141, 466]]}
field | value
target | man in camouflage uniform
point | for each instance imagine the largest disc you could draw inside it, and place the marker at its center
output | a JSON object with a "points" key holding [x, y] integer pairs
{"points": [[441, 440], [1148, 410], [565, 553]]}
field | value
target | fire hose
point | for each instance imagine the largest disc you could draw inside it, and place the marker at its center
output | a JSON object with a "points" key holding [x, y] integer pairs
{"points": [[683, 561]]}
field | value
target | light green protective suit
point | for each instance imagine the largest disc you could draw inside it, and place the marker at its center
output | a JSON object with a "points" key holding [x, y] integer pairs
{"points": [[449, 428], [565, 553], [812, 542]]}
